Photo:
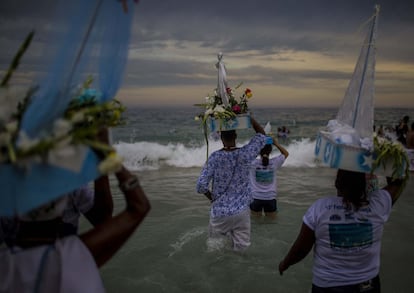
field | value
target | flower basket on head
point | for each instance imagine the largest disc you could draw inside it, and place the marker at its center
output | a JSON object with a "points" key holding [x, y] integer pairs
{"points": [[219, 116], [223, 110]]}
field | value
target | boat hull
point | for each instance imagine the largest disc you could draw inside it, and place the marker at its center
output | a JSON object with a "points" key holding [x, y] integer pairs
{"points": [[348, 157], [241, 121]]}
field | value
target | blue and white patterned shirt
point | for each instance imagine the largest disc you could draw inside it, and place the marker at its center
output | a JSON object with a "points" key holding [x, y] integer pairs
{"points": [[228, 171]]}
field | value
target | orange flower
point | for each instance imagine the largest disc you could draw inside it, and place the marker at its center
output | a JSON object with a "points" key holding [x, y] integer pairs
{"points": [[248, 93]]}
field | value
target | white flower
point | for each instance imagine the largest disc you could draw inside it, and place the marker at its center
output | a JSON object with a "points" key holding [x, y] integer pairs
{"points": [[78, 117], [9, 99], [196, 118], [65, 151], [219, 109], [12, 126], [61, 127], [209, 112], [25, 142], [367, 143], [5, 138], [209, 101], [63, 143], [112, 163]]}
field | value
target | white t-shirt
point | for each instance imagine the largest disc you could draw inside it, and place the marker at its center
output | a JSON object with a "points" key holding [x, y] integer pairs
{"points": [[66, 267], [263, 178], [348, 243], [410, 154]]}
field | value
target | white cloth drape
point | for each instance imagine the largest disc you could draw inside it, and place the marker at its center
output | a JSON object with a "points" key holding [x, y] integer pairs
{"points": [[222, 80]]}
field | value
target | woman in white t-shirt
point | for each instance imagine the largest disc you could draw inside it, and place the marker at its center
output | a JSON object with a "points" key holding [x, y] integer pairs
{"points": [[263, 181], [345, 231]]}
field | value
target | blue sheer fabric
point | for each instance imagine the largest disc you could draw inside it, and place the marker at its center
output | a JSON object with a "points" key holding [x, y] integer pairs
{"points": [[92, 38], [84, 38]]}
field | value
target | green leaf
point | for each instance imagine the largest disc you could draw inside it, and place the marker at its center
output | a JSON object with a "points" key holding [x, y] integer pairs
{"points": [[16, 60]]}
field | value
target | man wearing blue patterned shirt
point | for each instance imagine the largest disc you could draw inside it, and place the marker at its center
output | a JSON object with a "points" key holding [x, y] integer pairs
{"points": [[228, 172]]}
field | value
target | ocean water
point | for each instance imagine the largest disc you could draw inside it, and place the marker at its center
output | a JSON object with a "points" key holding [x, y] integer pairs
{"points": [[165, 147]]}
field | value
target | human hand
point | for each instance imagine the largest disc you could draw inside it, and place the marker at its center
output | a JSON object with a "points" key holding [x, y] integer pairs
{"points": [[103, 135]]}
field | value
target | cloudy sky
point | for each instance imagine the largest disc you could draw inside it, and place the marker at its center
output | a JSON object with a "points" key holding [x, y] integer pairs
{"points": [[289, 52]]}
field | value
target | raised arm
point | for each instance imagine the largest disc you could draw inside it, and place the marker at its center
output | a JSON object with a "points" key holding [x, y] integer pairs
{"points": [[280, 148], [105, 240], [103, 206], [256, 126], [395, 188]]}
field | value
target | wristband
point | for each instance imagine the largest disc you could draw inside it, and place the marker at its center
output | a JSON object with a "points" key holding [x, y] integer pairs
{"points": [[129, 184]]}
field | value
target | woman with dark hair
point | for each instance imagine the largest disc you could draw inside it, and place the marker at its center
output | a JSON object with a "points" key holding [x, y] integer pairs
{"points": [[263, 180], [345, 231], [354, 194]]}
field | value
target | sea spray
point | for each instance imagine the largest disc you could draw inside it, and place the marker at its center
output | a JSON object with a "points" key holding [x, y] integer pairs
{"points": [[145, 155], [186, 238]]}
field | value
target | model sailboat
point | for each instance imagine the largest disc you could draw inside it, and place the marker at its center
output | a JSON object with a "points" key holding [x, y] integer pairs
{"points": [[348, 141]]}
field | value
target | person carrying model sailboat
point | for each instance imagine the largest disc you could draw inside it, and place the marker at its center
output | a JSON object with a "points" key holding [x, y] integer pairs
{"points": [[345, 231]]}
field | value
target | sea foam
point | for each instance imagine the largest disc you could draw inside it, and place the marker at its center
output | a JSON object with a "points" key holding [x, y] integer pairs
{"points": [[144, 155]]}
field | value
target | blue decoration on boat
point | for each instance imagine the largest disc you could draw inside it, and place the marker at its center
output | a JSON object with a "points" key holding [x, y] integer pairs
{"points": [[327, 153], [318, 145], [336, 159], [241, 121], [364, 161]]}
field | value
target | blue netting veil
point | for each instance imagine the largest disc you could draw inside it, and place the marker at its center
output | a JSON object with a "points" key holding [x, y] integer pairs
{"points": [[86, 38], [81, 39]]}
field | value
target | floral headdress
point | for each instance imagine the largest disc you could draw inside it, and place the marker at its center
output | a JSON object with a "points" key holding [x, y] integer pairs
{"points": [[223, 104], [215, 108]]}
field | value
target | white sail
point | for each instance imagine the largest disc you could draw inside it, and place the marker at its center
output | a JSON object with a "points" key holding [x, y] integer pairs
{"points": [[357, 108]]}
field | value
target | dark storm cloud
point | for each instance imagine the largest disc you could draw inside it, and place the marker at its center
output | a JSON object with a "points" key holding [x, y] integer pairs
{"points": [[234, 23], [243, 25], [267, 27], [250, 28]]}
